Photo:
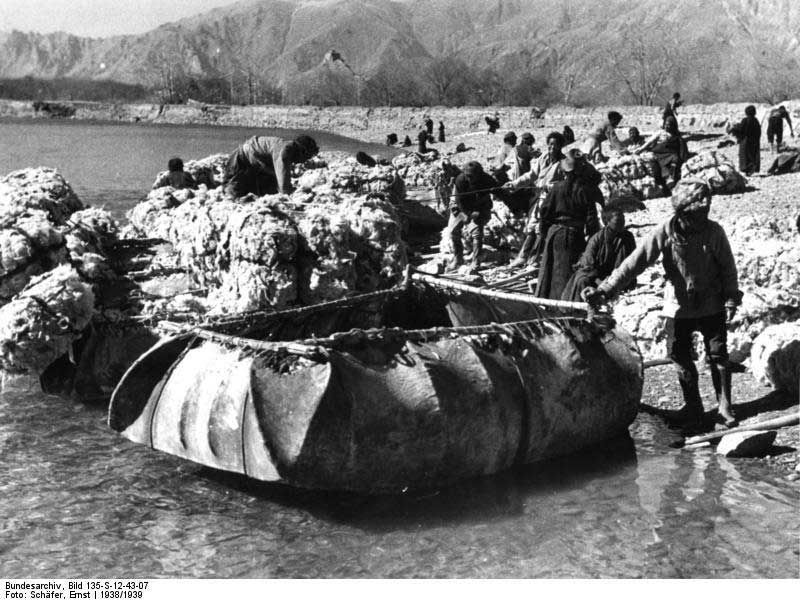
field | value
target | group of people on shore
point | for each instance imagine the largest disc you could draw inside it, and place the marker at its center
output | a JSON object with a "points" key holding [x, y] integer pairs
{"points": [[695, 251], [576, 257]]}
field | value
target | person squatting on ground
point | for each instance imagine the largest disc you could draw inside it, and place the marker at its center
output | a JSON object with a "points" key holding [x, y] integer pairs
{"points": [[263, 164], [704, 293], [470, 210], [774, 121], [635, 138], [605, 251], [538, 180], [178, 178], [748, 135], [606, 131], [670, 151], [568, 215]]}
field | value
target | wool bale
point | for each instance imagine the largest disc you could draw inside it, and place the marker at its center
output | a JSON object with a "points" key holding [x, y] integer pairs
{"points": [[775, 356], [29, 246], [40, 188], [41, 322], [262, 235], [720, 174], [247, 286]]}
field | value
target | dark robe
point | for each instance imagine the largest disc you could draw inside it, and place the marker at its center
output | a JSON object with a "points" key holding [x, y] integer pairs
{"points": [[441, 131], [605, 251], [748, 134], [567, 215]]}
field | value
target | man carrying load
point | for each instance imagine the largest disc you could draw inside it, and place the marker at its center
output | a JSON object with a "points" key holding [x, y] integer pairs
{"points": [[774, 120], [263, 164], [704, 293]]}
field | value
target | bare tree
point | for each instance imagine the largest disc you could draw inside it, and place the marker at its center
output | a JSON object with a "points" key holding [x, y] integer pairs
{"points": [[445, 76], [645, 60], [776, 73]]}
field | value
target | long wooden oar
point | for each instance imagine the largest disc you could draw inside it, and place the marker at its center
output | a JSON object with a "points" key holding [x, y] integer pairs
{"points": [[770, 424]]}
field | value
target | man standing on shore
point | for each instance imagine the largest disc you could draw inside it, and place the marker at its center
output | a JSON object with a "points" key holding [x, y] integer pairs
{"points": [[263, 164], [539, 179], [704, 293]]}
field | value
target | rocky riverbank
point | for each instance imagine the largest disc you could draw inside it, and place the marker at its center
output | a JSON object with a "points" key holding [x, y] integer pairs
{"points": [[374, 123]]}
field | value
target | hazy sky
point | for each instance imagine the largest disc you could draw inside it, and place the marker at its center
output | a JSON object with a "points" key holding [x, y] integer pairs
{"points": [[97, 18]]}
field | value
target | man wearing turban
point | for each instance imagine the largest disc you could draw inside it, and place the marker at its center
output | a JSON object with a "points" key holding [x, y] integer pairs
{"points": [[703, 292]]}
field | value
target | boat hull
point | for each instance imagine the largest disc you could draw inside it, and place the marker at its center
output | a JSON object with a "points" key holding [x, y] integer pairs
{"points": [[383, 416]]}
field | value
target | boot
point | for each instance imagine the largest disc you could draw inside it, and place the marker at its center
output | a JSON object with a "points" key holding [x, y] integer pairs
{"points": [[721, 377], [692, 410], [524, 251]]}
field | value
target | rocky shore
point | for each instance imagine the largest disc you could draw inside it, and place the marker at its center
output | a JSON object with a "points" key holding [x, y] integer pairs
{"points": [[374, 123]]}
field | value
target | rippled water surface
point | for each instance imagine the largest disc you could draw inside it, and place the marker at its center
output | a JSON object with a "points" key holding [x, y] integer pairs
{"points": [[77, 500]]}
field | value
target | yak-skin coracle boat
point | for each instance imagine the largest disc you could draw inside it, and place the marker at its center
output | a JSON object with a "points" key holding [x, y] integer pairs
{"points": [[381, 409]]}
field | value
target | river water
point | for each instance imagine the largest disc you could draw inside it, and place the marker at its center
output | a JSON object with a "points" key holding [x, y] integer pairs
{"points": [[77, 500]]}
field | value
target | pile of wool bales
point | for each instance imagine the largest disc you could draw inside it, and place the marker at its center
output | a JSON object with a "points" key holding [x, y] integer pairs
{"points": [[44, 224], [419, 170], [714, 169], [350, 177], [630, 177], [339, 233], [53, 260], [40, 188]]}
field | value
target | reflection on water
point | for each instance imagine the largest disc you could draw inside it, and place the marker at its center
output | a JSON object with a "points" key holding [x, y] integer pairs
{"points": [[77, 500]]}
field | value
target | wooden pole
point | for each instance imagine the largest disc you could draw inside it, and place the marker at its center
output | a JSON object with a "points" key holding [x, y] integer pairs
{"points": [[488, 292], [770, 424]]}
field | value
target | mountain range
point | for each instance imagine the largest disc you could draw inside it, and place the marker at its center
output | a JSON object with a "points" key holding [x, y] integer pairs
{"points": [[714, 47]]}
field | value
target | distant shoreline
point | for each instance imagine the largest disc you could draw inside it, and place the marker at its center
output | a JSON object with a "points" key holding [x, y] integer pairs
{"points": [[373, 123]]}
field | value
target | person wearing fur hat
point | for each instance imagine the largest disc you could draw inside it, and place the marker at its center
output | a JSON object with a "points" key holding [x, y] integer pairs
{"points": [[263, 164], [702, 297], [470, 210]]}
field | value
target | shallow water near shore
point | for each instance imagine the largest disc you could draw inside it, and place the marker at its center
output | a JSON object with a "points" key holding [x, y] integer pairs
{"points": [[77, 500]]}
